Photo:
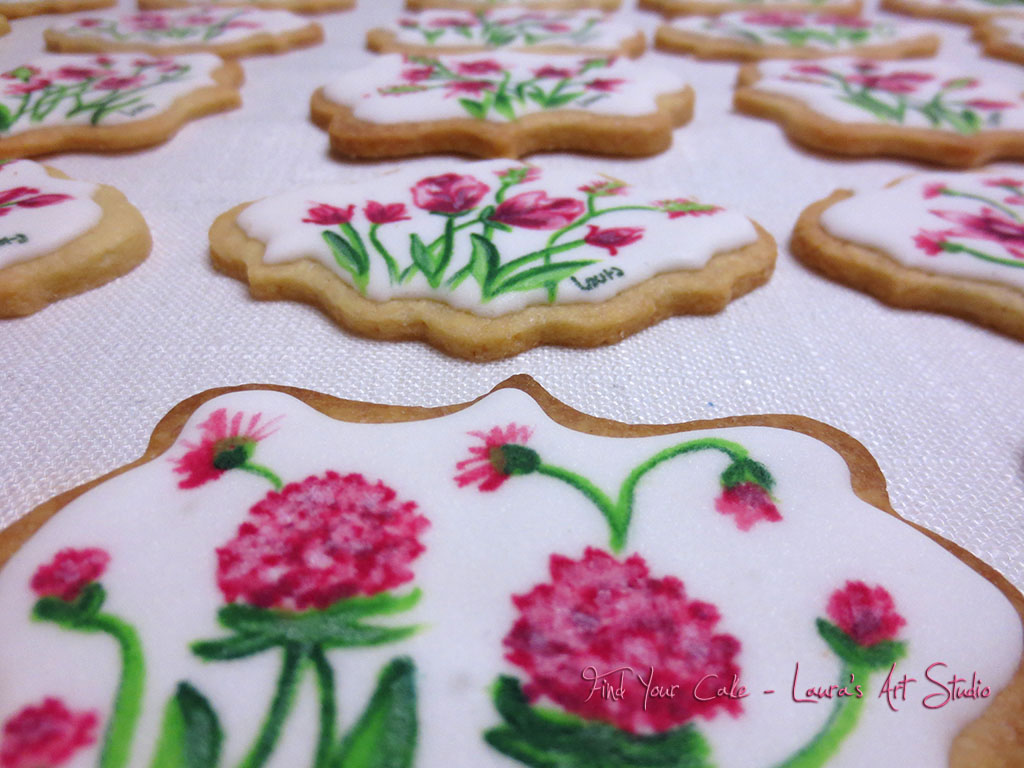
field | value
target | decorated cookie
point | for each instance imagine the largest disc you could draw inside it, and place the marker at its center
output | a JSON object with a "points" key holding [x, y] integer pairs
{"points": [[1002, 37], [15, 9], [486, 5], [295, 6], [965, 11], [502, 105], [488, 259], [109, 102], [276, 584], [225, 31], [581, 32], [60, 237], [926, 110], [715, 7], [950, 242], [748, 35]]}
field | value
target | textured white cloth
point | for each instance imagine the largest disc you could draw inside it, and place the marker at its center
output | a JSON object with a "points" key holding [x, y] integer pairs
{"points": [[939, 402]]}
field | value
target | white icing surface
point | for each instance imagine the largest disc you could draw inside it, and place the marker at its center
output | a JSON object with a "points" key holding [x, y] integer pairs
{"points": [[1010, 6], [824, 95], [45, 228], [785, 28], [186, 25], [769, 583], [359, 88], [590, 28], [686, 242], [153, 100], [762, 3], [889, 220]]}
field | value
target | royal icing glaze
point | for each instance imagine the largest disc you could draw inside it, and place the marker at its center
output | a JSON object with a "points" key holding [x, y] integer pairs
{"points": [[798, 30], [755, 3], [495, 236], [71, 89], [39, 213], [498, 87], [279, 587], [981, 6], [176, 27], [922, 94], [963, 224], [506, 27]]}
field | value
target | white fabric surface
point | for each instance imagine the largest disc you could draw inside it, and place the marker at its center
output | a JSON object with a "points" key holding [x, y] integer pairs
{"points": [[939, 402]]}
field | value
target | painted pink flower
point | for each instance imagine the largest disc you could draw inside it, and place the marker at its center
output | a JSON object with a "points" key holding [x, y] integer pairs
{"points": [[1014, 200], [149, 21], [29, 198], [894, 82], [867, 615], [479, 67], [775, 19], [75, 73], [70, 571], [680, 206], [934, 190], [224, 445], [613, 238], [749, 504], [604, 188], [31, 86], [558, 73], [989, 104], [1003, 181], [931, 241], [406, 23], [104, 61], [604, 613], [606, 85], [46, 735], [555, 27], [319, 541], [200, 19], [448, 193], [810, 69], [116, 83], [385, 214], [415, 74], [846, 22], [535, 210], [989, 225], [329, 215], [470, 87], [90, 22], [242, 24], [491, 464]]}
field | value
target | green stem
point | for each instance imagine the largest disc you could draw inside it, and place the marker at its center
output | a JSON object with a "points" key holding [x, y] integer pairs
{"points": [[264, 472], [839, 725], [328, 706], [982, 199], [619, 514], [388, 259], [280, 706], [117, 741], [957, 248]]}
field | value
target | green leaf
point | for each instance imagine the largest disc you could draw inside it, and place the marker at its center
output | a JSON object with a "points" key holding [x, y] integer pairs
{"points": [[484, 261], [6, 119], [385, 735], [539, 277], [546, 738], [561, 99], [228, 648], [346, 256], [881, 655], [74, 613], [475, 108], [464, 31], [420, 255], [191, 735], [250, 618], [503, 106]]}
